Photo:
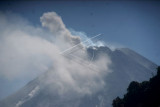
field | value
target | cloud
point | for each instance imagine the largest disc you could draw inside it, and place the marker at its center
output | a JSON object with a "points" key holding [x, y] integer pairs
{"points": [[55, 24], [30, 95], [27, 51], [90, 42]]}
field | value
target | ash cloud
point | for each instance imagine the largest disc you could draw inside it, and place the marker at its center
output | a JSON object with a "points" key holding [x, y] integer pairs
{"points": [[27, 51]]}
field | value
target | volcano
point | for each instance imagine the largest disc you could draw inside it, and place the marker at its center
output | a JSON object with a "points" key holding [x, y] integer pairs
{"points": [[126, 66]]}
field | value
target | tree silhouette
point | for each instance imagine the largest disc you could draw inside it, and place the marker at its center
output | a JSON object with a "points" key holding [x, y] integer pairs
{"points": [[145, 94]]}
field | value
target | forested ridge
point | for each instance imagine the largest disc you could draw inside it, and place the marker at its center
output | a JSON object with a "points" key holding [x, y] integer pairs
{"points": [[145, 94]]}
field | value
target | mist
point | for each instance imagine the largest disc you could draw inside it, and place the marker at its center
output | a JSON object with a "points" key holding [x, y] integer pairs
{"points": [[27, 51]]}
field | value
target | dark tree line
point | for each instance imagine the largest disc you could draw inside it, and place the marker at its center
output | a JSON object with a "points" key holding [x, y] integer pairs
{"points": [[145, 94]]}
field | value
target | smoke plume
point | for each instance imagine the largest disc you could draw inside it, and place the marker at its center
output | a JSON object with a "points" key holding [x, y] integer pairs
{"points": [[27, 51]]}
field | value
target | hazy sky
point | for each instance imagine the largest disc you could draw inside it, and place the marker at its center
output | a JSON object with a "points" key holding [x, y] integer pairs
{"points": [[135, 24]]}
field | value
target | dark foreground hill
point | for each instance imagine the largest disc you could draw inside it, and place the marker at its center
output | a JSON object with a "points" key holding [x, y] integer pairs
{"points": [[145, 94]]}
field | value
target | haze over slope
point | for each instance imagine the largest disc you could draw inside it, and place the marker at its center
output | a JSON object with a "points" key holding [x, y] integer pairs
{"points": [[125, 66], [28, 51], [81, 77]]}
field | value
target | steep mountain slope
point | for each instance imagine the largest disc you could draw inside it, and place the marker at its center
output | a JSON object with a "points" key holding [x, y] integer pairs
{"points": [[127, 66]]}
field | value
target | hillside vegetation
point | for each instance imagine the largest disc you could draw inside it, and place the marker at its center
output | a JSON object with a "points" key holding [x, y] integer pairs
{"points": [[145, 94]]}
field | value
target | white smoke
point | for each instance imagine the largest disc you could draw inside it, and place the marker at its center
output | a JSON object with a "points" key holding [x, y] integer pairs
{"points": [[62, 35], [27, 51], [84, 37]]}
